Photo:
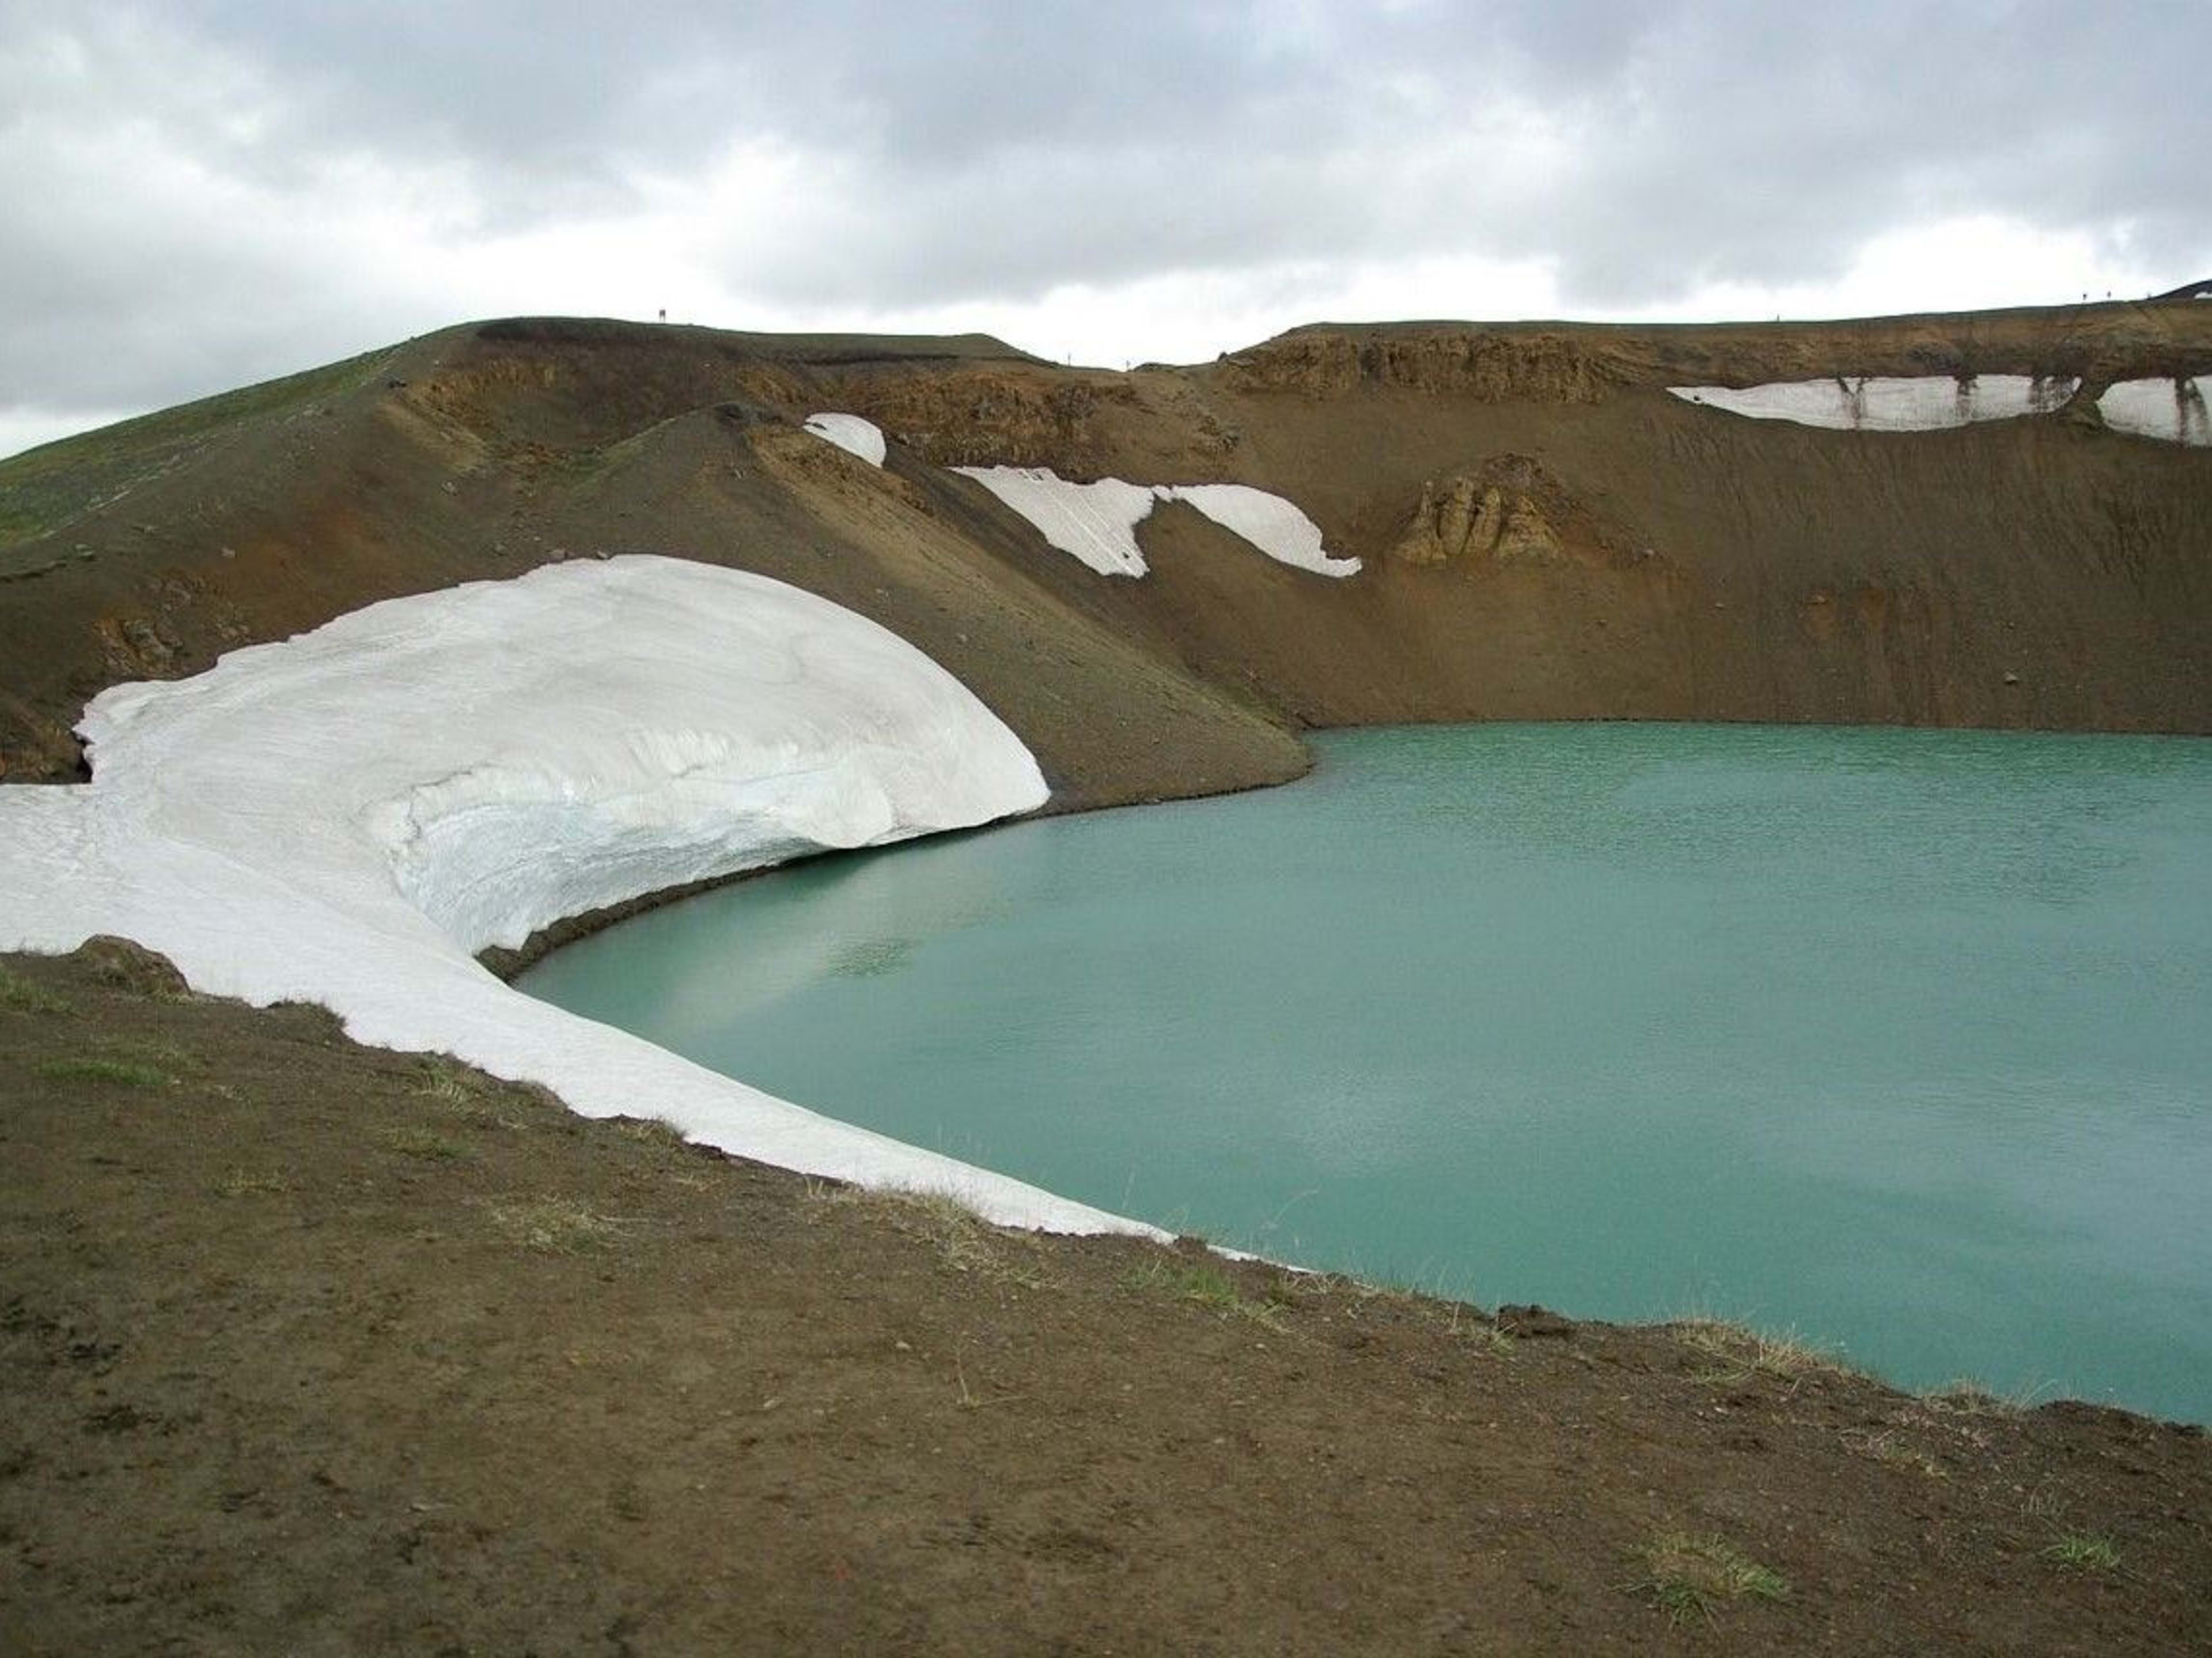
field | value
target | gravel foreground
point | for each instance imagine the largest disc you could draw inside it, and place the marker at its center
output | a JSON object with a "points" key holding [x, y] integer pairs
{"points": [[311, 1348]]}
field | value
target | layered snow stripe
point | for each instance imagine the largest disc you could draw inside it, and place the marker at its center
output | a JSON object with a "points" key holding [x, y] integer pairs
{"points": [[347, 816], [1094, 522], [1098, 522], [1879, 404], [1273, 524], [2171, 409]]}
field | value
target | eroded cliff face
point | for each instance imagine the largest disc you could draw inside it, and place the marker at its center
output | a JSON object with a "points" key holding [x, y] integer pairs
{"points": [[1547, 534], [1494, 366], [987, 418]]}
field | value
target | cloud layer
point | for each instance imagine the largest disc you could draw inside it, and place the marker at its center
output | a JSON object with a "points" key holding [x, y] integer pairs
{"points": [[193, 194]]}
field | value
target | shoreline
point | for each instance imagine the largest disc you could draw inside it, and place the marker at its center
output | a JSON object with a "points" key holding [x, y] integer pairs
{"points": [[388, 1355], [253, 824], [2027, 1374], [509, 964]]}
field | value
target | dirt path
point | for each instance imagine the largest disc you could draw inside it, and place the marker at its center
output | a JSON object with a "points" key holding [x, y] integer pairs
{"points": [[307, 1348]]}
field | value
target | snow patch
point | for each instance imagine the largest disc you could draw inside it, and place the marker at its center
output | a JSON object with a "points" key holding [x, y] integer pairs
{"points": [[347, 816], [851, 433], [2173, 409], [1926, 403], [1268, 522], [1098, 522]]}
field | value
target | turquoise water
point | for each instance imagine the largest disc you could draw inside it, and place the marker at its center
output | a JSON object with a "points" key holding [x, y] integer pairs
{"points": [[1898, 1040]]}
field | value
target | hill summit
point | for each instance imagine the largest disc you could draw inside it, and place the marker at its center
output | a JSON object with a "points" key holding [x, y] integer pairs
{"points": [[1552, 520]]}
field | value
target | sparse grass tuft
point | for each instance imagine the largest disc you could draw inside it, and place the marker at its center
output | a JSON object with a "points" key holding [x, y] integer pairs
{"points": [[1204, 1283], [2083, 1551], [253, 1182], [961, 1239], [1885, 1447], [1686, 1575], [1738, 1352], [558, 1226], [19, 995], [1471, 1326], [655, 1131], [166, 1056], [423, 1143], [1966, 1397], [105, 1068], [447, 1081], [464, 1093]]}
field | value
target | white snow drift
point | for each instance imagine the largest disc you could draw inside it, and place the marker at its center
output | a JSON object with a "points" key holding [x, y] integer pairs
{"points": [[2173, 409], [346, 816], [1887, 403], [854, 433], [1098, 522], [1268, 522]]}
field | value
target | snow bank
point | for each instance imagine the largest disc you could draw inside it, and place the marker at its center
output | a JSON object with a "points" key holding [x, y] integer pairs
{"points": [[2173, 409], [347, 816], [1098, 522], [1268, 522], [850, 433], [1888, 404]]}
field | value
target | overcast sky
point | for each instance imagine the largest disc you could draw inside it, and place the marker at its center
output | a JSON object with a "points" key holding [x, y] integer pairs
{"points": [[195, 195]]}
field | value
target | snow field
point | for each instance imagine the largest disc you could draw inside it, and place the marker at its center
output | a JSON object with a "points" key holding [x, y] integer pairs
{"points": [[851, 432], [1098, 522], [2173, 411], [348, 816], [1268, 522], [1878, 404]]}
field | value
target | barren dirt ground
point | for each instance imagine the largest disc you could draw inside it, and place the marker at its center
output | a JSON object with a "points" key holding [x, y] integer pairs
{"points": [[309, 1348]]}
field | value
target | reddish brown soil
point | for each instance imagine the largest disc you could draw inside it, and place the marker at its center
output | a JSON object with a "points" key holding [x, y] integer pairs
{"points": [[307, 1348]]}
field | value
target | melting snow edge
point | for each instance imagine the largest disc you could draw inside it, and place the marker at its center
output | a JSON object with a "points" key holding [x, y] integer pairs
{"points": [[346, 816]]}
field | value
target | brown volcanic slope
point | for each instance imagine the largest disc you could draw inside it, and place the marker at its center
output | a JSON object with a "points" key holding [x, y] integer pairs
{"points": [[1632, 555]]}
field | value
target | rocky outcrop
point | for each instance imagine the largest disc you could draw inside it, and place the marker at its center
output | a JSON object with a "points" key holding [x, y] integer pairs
{"points": [[1509, 512], [1588, 363], [1459, 519], [35, 747], [1491, 366], [126, 965], [1010, 417], [136, 647]]}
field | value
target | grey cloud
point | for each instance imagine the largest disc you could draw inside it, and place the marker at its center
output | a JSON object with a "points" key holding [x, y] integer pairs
{"points": [[992, 153], [1705, 142], [566, 91]]}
